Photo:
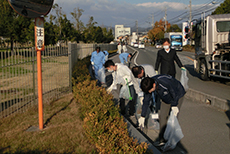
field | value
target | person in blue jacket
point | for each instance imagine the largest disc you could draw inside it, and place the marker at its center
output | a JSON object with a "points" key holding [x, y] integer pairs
{"points": [[124, 57], [97, 61], [170, 91], [106, 55]]}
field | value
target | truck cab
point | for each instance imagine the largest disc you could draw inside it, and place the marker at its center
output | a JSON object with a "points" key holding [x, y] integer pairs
{"points": [[212, 57], [175, 39]]}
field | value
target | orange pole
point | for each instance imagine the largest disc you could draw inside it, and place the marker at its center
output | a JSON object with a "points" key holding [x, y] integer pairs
{"points": [[40, 102]]}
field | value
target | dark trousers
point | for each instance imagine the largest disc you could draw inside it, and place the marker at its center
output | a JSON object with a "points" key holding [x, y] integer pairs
{"points": [[131, 104], [164, 115]]}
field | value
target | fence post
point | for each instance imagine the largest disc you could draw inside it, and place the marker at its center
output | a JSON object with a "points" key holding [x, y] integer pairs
{"points": [[33, 52], [70, 66]]}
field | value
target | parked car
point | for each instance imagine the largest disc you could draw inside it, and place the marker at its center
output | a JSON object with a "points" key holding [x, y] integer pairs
{"points": [[132, 44], [141, 46], [135, 45], [158, 46]]}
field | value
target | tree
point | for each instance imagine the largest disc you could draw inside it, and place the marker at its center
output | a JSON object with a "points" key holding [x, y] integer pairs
{"points": [[224, 8], [157, 33], [89, 30], [76, 14], [58, 18], [12, 25], [174, 28]]}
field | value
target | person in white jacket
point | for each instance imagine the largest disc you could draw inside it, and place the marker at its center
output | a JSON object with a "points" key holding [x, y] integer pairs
{"points": [[124, 48], [141, 72], [119, 47], [122, 75]]}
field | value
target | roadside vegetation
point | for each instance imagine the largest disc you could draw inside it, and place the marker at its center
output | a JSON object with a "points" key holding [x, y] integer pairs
{"points": [[103, 124], [63, 132], [189, 48]]}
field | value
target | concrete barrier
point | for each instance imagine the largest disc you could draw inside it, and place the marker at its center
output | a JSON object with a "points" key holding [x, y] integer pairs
{"points": [[208, 99]]}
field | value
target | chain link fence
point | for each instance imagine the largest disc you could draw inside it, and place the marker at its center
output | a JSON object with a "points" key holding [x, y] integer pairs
{"points": [[18, 74]]}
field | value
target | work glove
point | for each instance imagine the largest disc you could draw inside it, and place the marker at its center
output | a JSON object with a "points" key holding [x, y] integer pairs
{"points": [[183, 68], [141, 100], [141, 122], [109, 89], [175, 110], [156, 72]]}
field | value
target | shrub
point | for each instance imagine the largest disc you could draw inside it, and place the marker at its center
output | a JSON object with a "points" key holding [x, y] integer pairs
{"points": [[103, 124], [189, 48]]}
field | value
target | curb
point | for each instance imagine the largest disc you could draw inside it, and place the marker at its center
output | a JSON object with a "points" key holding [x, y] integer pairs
{"points": [[140, 138], [208, 99]]}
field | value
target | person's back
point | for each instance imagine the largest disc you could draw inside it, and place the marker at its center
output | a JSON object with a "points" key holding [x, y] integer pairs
{"points": [[124, 57], [169, 84]]}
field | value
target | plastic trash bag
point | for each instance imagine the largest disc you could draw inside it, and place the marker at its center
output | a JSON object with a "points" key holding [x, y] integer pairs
{"points": [[152, 122], [173, 133], [184, 79], [151, 119], [124, 92], [101, 75]]}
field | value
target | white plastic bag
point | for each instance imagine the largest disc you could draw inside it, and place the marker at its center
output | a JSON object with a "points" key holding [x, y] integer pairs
{"points": [[184, 79], [124, 92], [173, 133], [101, 75], [151, 118]]}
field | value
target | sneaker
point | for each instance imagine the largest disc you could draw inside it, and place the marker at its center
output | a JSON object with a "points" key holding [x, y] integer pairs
{"points": [[159, 143], [167, 148]]}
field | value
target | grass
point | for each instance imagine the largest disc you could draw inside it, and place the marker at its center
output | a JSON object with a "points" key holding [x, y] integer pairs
{"points": [[63, 132], [15, 70]]}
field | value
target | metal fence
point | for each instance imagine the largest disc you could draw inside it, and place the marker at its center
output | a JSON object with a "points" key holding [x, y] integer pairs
{"points": [[18, 74], [18, 77]]}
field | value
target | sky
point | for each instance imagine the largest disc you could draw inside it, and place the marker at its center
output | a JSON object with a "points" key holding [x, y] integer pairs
{"points": [[127, 12]]}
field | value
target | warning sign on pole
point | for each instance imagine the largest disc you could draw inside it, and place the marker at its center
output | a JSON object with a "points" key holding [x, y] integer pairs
{"points": [[39, 34]]}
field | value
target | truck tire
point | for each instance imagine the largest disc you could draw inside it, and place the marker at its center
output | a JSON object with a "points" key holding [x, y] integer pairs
{"points": [[203, 70]]}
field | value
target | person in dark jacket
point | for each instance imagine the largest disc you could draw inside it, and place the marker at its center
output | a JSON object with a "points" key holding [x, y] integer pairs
{"points": [[166, 58], [170, 91]]}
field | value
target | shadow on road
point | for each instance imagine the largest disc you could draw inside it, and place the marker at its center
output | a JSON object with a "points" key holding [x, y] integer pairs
{"points": [[228, 115], [191, 71]]}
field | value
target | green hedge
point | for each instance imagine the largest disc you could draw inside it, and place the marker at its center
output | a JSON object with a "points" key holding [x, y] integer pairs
{"points": [[103, 124]]}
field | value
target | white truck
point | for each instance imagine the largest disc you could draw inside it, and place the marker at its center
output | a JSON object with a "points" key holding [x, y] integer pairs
{"points": [[175, 39], [212, 46]]}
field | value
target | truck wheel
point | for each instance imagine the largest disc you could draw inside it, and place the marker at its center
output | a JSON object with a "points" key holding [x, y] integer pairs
{"points": [[203, 70]]}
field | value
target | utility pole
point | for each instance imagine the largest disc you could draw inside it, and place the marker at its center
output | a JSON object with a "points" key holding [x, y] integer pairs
{"points": [[137, 31], [153, 20], [190, 21], [165, 19]]}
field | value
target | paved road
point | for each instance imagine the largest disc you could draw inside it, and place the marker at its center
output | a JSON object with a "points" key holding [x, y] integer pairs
{"points": [[206, 129]]}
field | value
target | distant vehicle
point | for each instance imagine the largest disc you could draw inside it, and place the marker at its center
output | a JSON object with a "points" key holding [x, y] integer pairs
{"points": [[158, 46], [212, 46], [135, 45], [141, 46], [132, 44], [176, 40]]}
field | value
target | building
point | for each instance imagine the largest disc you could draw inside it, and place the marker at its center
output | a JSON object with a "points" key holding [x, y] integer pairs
{"points": [[120, 30]]}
